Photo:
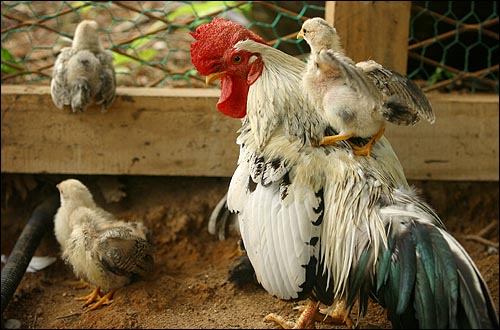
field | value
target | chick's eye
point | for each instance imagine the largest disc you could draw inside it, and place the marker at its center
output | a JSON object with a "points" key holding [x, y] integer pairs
{"points": [[237, 59]]}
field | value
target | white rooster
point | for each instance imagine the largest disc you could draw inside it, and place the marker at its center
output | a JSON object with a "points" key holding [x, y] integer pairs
{"points": [[320, 223]]}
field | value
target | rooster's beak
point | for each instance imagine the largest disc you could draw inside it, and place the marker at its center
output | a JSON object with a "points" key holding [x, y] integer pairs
{"points": [[213, 76]]}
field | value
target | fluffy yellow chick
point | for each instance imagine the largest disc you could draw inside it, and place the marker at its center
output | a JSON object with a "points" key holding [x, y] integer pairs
{"points": [[102, 250], [357, 99]]}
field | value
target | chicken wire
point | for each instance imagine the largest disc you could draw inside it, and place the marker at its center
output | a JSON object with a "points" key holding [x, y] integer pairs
{"points": [[451, 44], [149, 39]]}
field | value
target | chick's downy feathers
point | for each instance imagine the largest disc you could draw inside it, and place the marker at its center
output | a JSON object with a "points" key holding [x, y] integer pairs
{"points": [[106, 252], [357, 98], [84, 73]]}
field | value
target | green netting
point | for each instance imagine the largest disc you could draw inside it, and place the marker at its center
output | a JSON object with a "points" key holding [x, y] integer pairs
{"points": [[451, 44], [148, 38]]}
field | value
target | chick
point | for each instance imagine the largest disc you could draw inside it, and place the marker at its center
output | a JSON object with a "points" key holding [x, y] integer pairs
{"points": [[102, 250], [84, 72], [357, 98]]}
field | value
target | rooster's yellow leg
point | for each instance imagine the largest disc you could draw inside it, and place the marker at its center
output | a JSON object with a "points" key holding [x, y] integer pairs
{"points": [[305, 321], [105, 300], [238, 252], [367, 148], [336, 315], [93, 296], [332, 139]]}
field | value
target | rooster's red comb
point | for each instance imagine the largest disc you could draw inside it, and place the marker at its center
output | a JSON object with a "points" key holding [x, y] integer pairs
{"points": [[213, 39]]}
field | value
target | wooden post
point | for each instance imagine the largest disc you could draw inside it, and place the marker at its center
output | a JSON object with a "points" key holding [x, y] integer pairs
{"points": [[373, 30]]}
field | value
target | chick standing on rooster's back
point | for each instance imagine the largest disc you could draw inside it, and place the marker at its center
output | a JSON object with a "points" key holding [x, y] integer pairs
{"points": [[84, 73], [102, 250], [357, 99], [320, 224]]}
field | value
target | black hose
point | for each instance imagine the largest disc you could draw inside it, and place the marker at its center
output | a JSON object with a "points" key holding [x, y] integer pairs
{"points": [[28, 241]]}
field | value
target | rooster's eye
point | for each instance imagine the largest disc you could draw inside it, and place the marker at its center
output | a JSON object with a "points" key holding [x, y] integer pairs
{"points": [[237, 59]]}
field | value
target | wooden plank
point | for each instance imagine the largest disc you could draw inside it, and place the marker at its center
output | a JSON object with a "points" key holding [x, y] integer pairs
{"points": [[147, 131], [151, 131], [462, 144], [376, 30]]}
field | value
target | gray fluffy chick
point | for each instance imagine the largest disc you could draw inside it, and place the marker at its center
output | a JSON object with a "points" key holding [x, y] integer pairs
{"points": [[84, 73], [102, 250], [357, 99]]}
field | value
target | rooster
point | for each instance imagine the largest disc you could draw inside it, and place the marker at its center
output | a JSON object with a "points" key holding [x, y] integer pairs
{"points": [[319, 222], [357, 98], [84, 73]]}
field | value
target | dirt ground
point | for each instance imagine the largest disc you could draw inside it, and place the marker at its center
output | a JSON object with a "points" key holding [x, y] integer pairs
{"points": [[189, 287]]}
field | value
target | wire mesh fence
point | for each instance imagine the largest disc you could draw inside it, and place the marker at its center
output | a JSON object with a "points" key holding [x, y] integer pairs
{"points": [[451, 44], [149, 39]]}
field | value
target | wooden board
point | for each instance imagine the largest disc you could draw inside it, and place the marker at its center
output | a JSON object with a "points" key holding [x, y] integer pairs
{"points": [[152, 131], [147, 131], [376, 30], [462, 144]]}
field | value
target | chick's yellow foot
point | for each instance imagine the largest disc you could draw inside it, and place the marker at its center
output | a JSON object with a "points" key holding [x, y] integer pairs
{"points": [[329, 140], [107, 299], [93, 296], [367, 148], [363, 150], [305, 321]]}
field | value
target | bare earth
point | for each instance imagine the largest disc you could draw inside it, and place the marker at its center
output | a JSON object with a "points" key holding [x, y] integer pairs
{"points": [[189, 288]]}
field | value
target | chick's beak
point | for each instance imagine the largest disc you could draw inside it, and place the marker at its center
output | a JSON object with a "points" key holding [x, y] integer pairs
{"points": [[300, 35], [213, 76]]}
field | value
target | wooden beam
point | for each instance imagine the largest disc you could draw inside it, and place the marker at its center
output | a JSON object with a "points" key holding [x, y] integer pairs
{"points": [[146, 131], [154, 131], [376, 30], [462, 144]]}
